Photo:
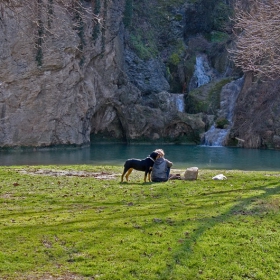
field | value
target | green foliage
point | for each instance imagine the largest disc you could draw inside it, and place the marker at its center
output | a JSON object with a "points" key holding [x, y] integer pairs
{"points": [[148, 23], [178, 17], [176, 57], [221, 123], [190, 65], [177, 63], [143, 45], [206, 99], [196, 102], [90, 225], [214, 94], [221, 15], [218, 36], [139, 47]]}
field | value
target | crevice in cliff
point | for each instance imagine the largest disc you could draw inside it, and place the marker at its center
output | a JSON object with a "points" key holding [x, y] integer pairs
{"points": [[106, 125]]}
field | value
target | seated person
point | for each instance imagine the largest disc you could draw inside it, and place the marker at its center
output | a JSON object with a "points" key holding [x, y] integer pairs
{"points": [[161, 168]]}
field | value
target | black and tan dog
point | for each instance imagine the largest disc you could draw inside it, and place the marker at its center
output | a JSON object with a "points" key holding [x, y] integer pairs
{"points": [[140, 165]]}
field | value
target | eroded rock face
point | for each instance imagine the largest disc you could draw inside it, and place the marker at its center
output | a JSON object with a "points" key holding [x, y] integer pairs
{"points": [[151, 118], [148, 76], [256, 119], [68, 94], [54, 103], [89, 85]]}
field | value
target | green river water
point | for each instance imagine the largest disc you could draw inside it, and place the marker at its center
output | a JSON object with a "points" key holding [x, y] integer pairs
{"points": [[182, 156]]}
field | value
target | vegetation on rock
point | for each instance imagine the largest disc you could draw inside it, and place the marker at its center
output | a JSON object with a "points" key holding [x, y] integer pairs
{"points": [[206, 99]]}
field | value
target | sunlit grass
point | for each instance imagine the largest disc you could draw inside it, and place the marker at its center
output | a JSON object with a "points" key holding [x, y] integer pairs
{"points": [[91, 226]]}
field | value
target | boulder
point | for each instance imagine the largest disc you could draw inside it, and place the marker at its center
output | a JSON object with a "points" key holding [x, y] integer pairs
{"points": [[191, 173]]}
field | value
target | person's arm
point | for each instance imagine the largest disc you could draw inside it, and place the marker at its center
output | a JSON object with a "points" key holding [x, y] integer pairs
{"points": [[169, 163]]}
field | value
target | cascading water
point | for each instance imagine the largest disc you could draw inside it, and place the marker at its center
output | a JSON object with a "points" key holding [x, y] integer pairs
{"points": [[178, 99], [217, 136], [200, 72]]}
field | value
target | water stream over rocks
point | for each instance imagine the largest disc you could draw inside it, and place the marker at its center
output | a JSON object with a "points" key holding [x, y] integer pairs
{"points": [[217, 136], [178, 99], [200, 72]]}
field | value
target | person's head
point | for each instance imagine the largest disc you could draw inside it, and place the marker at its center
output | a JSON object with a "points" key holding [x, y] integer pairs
{"points": [[160, 152]]}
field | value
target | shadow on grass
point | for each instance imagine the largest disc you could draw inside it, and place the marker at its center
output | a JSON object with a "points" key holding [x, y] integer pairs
{"points": [[205, 224], [133, 209]]}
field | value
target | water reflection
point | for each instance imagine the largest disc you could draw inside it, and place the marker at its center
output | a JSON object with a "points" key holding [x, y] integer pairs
{"points": [[183, 156]]}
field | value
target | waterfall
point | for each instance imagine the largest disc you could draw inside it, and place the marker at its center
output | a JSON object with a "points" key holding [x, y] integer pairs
{"points": [[200, 71], [217, 136], [179, 102]]}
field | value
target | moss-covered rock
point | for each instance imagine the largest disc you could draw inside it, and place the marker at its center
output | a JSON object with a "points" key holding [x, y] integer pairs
{"points": [[206, 98]]}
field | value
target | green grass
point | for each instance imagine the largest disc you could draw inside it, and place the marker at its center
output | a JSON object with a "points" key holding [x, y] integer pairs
{"points": [[92, 227]]}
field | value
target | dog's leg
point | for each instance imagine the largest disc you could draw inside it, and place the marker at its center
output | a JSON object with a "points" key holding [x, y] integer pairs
{"points": [[128, 173], [149, 174], [124, 171], [145, 177]]}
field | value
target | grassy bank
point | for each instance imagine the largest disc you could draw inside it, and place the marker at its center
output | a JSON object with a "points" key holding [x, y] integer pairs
{"points": [[79, 222]]}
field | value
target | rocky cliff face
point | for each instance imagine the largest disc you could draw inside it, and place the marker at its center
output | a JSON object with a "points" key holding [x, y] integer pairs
{"points": [[50, 98], [118, 78], [256, 118], [82, 86]]}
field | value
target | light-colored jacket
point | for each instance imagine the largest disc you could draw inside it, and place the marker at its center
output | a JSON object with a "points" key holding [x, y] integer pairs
{"points": [[160, 167]]}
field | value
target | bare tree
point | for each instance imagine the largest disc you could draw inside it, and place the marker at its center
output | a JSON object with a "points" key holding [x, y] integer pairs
{"points": [[257, 44]]}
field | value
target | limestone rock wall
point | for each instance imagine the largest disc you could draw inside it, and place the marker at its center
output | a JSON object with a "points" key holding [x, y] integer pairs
{"points": [[77, 86], [256, 116], [108, 81], [53, 103]]}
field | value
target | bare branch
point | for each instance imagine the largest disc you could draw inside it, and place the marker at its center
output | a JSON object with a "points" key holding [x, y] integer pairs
{"points": [[257, 32]]}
